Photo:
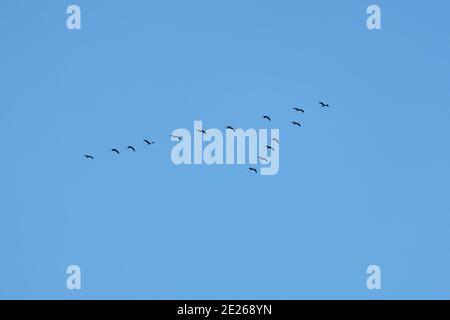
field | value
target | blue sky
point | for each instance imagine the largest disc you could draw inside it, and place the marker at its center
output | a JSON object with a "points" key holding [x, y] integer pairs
{"points": [[364, 182]]}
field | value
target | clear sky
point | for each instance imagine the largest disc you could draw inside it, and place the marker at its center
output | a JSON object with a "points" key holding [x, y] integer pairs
{"points": [[364, 182]]}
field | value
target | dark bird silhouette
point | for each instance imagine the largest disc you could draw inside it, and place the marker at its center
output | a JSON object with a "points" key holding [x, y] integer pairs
{"points": [[270, 148], [263, 159], [296, 123], [299, 110], [230, 128], [176, 137], [202, 131], [149, 142], [253, 170], [267, 118], [324, 104], [131, 148], [89, 157], [115, 150]]}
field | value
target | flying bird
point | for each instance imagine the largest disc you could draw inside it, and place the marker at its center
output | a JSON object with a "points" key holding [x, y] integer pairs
{"points": [[324, 104], [299, 110], [176, 137], [270, 148], [296, 123], [267, 118], [230, 128], [131, 148], [263, 159], [89, 157], [253, 170], [202, 131], [276, 140], [115, 150], [148, 142]]}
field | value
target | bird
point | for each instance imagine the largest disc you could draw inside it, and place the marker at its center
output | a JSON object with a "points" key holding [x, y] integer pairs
{"points": [[299, 110], [115, 150], [131, 148], [230, 128], [148, 142], [253, 170], [176, 137], [270, 148], [276, 140], [89, 157], [202, 131], [267, 118], [263, 159], [324, 104], [296, 123]]}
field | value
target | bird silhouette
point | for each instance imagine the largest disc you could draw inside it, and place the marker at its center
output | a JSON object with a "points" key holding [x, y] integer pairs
{"points": [[230, 128], [299, 110], [89, 157], [202, 131], [276, 140], [131, 148], [296, 123], [253, 170], [115, 150], [270, 148], [324, 104], [149, 142], [176, 137], [263, 159], [267, 118]]}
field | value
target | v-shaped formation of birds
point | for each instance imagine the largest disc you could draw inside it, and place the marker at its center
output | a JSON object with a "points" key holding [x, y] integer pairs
{"points": [[254, 170]]}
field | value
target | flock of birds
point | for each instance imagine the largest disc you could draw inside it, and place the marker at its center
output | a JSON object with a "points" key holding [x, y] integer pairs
{"points": [[147, 142], [116, 151]]}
